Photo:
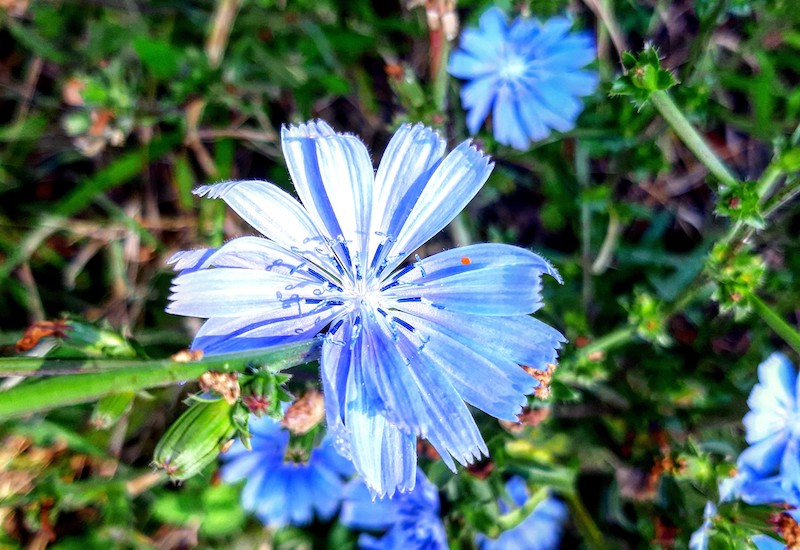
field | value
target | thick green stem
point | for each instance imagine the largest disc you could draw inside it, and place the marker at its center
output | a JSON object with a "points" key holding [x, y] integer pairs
{"points": [[92, 379], [674, 116], [515, 517], [776, 322]]}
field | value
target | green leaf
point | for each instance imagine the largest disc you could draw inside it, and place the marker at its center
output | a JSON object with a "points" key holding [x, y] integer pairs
{"points": [[157, 56]]}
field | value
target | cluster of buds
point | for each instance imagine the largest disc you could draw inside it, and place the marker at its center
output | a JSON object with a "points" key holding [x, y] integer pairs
{"points": [[646, 313], [737, 275]]}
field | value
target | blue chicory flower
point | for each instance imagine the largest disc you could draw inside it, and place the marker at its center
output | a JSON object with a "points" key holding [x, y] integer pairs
{"points": [[772, 427], [404, 349], [541, 530], [280, 491], [527, 73], [765, 542], [410, 520]]}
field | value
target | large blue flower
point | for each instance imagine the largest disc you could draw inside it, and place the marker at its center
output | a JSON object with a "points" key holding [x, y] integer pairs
{"points": [[410, 520], [773, 423], [404, 349], [280, 491], [527, 73], [541, 530]]}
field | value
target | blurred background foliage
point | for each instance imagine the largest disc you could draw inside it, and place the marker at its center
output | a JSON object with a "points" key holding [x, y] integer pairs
{"points": [[111, 111]]}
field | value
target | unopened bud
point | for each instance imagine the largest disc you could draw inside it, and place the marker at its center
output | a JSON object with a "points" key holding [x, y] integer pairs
{"points": [[544, 377], [305, 413], [110, 409], [195, 439]]}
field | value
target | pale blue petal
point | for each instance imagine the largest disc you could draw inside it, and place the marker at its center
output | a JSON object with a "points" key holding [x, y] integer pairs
{"points": [[552, 32], [481, 45], [262, 329], [417, 396], [493, 22], [246, 253], [190, 260], [531, 114], [478, 96], [333, 176], [276, 215], [578, 83], [230, 292], [764, 456], [360, 510], [410, 159], [454, 183], [484, 279], [466, 66], [776, 388], [506, 120]]}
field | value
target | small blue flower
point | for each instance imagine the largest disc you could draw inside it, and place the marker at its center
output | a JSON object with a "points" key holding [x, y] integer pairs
{"points": [[527, 73], [282, 492], [541, 530], [773, 423], [410, 520], [405, 350]]}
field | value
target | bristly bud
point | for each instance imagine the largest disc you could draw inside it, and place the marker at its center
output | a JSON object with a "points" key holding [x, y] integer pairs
{"points": [[646, 313], [195, 439], [263, 393], [305, 413], [737, 274]]}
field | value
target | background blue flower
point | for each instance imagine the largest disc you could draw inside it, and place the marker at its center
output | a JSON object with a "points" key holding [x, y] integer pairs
{"points": [[773, 423], [406, 350], [528, 74], [541, 530], [410, 520], [280, 491]]}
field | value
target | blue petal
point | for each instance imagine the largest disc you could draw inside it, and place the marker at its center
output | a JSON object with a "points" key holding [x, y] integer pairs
{"points": [[764, 457], [382, 454], [468, 67], [276, 215], [333, 176], [478, 97], [360, 510], [506, 120], [765, 542], [190, 260], [552, 32], [417, 396], [453, 184], [246, 253], [493, 347], [493, 22], [483, 279], [776, 388], [232, 292], [578, 83], [481, 45], [410, 159]]}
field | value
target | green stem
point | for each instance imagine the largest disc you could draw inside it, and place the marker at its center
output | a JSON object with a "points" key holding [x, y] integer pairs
{"points": [[515, 517], [618, 337], [769, 179], [588, 529], [674, 116], [776, 322], [92, 379]]}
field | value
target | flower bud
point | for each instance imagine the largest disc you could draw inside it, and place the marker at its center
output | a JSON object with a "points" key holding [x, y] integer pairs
{"points": [[110, 409], [195, 439]]}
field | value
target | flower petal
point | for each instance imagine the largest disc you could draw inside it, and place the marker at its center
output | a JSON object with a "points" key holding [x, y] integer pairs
{"points": [[412, 156], [454, 183], [466, 66], [276, 215], [360, 511], [233, 292], [506, 120], [382, 454], [765, 456], [415, 393], [478, 97], [483, 279], [334, 178]]}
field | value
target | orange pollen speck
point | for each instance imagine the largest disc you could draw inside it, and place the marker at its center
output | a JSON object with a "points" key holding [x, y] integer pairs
{"points": [[466, 261]]}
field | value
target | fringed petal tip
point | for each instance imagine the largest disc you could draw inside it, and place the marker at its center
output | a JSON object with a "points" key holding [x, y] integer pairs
{"points": [[219, 190], [551, 270], [312, 129]]}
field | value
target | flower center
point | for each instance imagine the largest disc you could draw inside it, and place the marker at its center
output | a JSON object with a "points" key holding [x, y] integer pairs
{"points": [[513, 67]]}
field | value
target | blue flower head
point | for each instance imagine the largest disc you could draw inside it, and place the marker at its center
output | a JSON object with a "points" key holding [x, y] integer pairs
{"points": [[406, 345], [280, 491], [541, 530], [528, 74], [772, 427], [410, 520]]}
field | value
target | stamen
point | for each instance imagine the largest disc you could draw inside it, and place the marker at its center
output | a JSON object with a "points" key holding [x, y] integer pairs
{"points": [[334, 303], [313, 300], [390, 285], [415, 299], [403, 271], [403, 324], [335, 327], [419, 265], [376, 257], [316, 275], [382, 312]]}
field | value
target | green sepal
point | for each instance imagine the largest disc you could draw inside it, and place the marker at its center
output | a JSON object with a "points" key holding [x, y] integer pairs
{"points": [[110, 409], [643, 76]]}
